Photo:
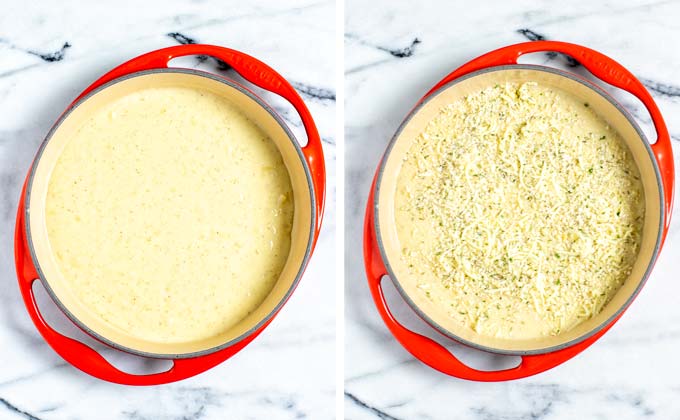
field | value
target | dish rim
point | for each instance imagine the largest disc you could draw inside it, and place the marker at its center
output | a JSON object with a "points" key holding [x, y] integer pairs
{"points": [[310, 240], [379, 239]]}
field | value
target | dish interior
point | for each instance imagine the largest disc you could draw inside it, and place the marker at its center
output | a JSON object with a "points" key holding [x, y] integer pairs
{"points": [[170, 213], [531, 335]]}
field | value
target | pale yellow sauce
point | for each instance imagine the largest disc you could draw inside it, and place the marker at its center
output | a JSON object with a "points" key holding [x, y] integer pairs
{"points": [[519, 211], [169, 213]]}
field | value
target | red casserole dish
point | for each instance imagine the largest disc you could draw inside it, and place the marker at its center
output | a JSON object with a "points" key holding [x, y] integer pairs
{"points": [[305, 166], [655, 162]]}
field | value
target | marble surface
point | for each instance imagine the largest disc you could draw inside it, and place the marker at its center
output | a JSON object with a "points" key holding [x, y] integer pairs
{"points": [[49, 52], [397, 50]]}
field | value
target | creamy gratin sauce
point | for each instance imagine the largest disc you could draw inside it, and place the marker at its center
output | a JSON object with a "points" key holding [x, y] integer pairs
{"points": [[519, 211], [170, 214]]}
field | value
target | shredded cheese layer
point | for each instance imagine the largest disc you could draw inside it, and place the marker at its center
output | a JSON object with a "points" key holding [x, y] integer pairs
{"points": [[519, 211]]}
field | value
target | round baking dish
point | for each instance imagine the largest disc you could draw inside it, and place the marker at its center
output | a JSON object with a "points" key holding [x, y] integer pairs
{"points": [[305, 167], [655, 162]]}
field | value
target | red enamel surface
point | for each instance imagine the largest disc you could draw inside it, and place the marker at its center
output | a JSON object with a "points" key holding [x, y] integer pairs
{"points": [[434, 354], [84, 357]]}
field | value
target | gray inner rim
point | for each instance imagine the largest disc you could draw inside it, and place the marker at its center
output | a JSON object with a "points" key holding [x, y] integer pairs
{"points": [[395, 279], [105, 340]]}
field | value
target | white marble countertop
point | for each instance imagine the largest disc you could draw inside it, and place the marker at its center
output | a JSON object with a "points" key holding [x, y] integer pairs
{"points": [[49, 52], [396, 51]]}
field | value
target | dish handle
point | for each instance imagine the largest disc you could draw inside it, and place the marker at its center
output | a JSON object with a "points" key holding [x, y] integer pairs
{"points": [[257, 73], [607, 70], [88, 359], [434, 354]]}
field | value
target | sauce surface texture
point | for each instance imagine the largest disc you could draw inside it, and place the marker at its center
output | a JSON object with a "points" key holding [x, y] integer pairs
{"points": [[169, 214]]}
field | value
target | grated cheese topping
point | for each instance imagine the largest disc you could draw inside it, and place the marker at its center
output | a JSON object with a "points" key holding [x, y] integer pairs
{"points": [[519, 211]]}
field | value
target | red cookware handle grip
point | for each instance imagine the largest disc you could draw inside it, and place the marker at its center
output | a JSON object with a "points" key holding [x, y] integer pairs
{"points": [[86, 358], [259, 74], [434, 354], [607, 70]]}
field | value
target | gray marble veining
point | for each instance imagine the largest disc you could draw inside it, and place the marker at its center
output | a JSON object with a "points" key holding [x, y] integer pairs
{"points": [[49, 52], [396, 51]]}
